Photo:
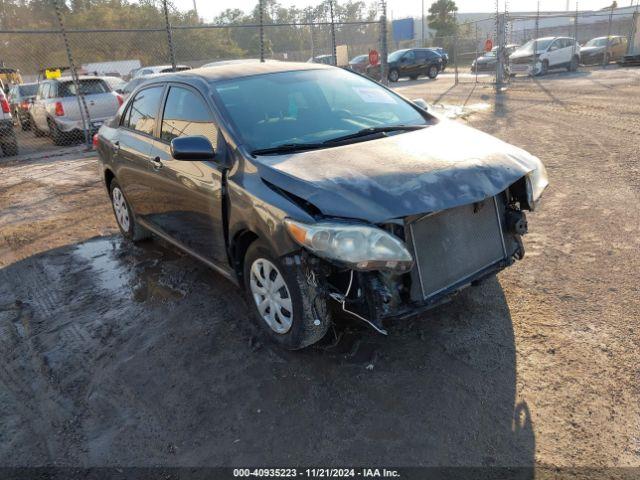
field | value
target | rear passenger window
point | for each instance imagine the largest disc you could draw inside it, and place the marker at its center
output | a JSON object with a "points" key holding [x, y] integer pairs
{"points": [[186, 113], [142, 112]]}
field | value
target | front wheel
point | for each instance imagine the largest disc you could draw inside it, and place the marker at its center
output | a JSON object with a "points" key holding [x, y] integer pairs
{"points": [[394, 75], [124, 216], [433, 71], [286, 304]]}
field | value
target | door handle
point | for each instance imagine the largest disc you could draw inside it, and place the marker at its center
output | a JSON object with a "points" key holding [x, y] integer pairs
{"points": [[157, 163], [115, 147]]}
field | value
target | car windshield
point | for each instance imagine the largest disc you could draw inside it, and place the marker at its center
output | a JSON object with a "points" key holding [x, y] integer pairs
{"points": [[309, 106], [87, 87], [28, 90], [492, 53], [542, 45], [597, 42], [395, 56]]}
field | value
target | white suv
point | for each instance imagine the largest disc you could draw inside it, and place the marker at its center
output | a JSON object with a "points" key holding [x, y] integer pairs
{"points": [[551, 52]]}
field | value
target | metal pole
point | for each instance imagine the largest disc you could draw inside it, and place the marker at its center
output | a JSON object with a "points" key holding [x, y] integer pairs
{"points": [[333, 34], [422, 22], [261, 10], [82, 104], [605, 56], [575, 30], [455, 56], [535, 42], [477, 41], [499, 54], [384, 66], [172, 54]]}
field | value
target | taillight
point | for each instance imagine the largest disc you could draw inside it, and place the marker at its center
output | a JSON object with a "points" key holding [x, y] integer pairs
{"points": [[24, 105], [59, 109], [5, 105], [120, 100], [95, 141]]}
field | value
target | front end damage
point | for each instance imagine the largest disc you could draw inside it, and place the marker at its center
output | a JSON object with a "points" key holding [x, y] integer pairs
{"points": [[452, 249]]}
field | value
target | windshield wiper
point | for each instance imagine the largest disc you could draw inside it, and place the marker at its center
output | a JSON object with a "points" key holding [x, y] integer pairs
{"points": [[365, 132], [288, 147]]}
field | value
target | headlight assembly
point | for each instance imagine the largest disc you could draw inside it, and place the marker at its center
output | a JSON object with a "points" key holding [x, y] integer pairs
{"points": [[359, 247], [537, 181]]}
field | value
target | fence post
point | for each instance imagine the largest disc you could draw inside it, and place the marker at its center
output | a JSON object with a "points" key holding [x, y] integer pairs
{"points": [[455, 55], [477, 41], [605, 56], [333, 35], [172, 54], [384, 66], [261, 13], [500, 40], [82, 104]]}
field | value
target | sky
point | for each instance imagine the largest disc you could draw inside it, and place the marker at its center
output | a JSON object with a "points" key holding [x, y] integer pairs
{"points": [[207, 9]]}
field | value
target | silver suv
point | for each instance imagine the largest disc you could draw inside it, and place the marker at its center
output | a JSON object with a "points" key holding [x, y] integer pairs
{"points": [[56, 111]]}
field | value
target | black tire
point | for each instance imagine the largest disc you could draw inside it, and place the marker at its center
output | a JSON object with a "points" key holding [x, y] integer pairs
{"points": [[25, 125], [574, 64], [58, 137], [394, 75], [433, 71], [544, 69], [311, 317], [36, 131], [134, 231], [607, 59], [10, 147]]}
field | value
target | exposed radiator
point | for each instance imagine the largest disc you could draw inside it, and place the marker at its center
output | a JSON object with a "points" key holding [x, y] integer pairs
{"points": [[453, 245]]}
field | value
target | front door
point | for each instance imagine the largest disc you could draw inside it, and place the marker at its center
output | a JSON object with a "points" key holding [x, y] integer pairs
{"points": [[133, 146], [187, 196]]}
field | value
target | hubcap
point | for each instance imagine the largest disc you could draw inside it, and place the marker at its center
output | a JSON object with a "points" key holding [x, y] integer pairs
{"points": [[271, 295], [120, 208], [394, 76]]}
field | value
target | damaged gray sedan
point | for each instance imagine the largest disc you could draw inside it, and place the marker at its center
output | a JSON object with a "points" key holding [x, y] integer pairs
{"points": [[312, 188]]}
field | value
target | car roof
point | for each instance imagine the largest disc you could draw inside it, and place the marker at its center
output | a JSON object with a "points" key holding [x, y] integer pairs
{"points": [[69, 78], [230, 71]]}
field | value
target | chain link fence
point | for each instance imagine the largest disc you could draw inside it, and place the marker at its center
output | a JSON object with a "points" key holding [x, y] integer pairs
{"points": [[54, 106]]}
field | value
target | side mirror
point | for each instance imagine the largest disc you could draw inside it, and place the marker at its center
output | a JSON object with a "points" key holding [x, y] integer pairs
{"points": [[421, 102], [196, 147]]}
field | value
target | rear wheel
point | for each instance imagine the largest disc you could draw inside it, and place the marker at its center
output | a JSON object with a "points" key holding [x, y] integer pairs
{"points": [[10, 147], [286, 306], [57, 136], [36, 131], [124, 216], [432, 72], [394, 75]]}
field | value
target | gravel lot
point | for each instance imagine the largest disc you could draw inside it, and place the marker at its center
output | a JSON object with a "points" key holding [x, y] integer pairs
{"points": [[112, 354]]}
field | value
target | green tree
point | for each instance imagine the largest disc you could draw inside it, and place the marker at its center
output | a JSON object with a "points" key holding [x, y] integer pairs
{"points": [[442, 17]]}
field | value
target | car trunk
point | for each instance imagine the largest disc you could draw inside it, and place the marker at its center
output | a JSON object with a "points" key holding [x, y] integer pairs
{"points": [[101, 102]]}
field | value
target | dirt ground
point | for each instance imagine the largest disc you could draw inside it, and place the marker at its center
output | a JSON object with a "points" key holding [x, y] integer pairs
{"points": [[113, 354]]}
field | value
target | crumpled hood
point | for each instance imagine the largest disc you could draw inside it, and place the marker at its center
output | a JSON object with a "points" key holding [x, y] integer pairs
{"points": [[442, 166]]}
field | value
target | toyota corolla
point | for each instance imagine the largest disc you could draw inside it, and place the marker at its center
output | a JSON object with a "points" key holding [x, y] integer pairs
{"points": [[312, 187]]}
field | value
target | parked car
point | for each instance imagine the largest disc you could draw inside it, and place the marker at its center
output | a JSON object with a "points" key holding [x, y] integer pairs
{"points": [[596, 50], [116, 84], [488, 61], [359, 64], [55, 110], [257, 187], [20, 98], [551, 52], [445, 56], [154, 69], [411, 63], [323, 59], [8, 141]]}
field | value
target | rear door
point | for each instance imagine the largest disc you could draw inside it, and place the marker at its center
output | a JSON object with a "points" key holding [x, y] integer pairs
{"points": [[101, 102], [133, 146], [187, 195]]}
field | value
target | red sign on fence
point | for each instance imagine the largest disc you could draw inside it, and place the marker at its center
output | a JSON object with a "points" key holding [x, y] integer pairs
{"points": [[488, 45], [374, 57]]}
